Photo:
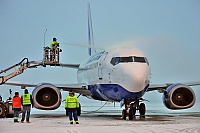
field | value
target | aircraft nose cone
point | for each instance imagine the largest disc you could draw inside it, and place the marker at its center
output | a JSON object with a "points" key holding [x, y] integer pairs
{"points": [[135, 82], [137, 79]]}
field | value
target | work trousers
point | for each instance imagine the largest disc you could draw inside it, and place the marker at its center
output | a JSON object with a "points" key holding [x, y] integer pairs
{"points": [[16, 114], [73, 114], [26, 109]]}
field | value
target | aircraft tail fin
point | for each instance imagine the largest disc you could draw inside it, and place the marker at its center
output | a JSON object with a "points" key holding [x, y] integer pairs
{"points": [[90, 32]]}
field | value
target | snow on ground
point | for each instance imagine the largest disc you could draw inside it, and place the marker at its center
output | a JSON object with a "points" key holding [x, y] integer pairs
{"points": [[104, 122]]}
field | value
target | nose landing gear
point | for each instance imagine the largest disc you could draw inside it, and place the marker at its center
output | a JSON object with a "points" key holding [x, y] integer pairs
{"points": [[130, 109]]}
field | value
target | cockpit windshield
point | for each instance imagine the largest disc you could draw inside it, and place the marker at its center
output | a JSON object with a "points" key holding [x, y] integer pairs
{"points": [[116, 60]]}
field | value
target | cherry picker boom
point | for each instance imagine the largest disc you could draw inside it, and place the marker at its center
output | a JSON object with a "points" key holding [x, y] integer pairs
{"points": [[19, 68], [51, 57]]}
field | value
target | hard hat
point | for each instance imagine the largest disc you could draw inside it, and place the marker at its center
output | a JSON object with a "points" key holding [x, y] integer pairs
{"points": [[54, 39], [71, 92], [26, 91], [16, 93]]}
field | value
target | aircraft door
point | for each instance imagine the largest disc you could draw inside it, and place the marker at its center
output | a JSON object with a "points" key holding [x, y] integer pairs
{"points": [[100, 66]]}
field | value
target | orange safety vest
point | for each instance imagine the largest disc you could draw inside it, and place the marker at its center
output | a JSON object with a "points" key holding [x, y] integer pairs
{"points": [[16, 102]]}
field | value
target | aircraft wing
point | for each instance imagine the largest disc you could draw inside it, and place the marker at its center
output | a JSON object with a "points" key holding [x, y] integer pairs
{"points": [[23, 85], [161, 87], [77, 88]]}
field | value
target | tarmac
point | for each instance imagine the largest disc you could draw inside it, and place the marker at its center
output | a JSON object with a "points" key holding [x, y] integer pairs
{"points": [[105, 122]]}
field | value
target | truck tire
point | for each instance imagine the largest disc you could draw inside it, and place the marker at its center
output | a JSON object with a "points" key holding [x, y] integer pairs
{"points": [[10, 111], [3, 110]]}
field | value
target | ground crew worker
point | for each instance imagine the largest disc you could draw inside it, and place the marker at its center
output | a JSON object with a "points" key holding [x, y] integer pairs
{"points": [[54, 44], [27, 101], [54, 49], [16, 105], [71, 105]]}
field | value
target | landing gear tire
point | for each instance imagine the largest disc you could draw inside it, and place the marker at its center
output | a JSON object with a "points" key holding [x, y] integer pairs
{"points": [[134, 111], [124, 114], [3, 111], [130, 115], [142, 109]]}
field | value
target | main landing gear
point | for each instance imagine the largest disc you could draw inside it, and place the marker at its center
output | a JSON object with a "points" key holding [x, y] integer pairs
{"points": [[131, 107]]}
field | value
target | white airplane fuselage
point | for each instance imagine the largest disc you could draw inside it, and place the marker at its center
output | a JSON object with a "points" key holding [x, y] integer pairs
{"points": [[116, 75]]}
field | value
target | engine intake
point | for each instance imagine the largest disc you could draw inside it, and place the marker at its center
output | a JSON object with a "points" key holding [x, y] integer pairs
{"points": [[46, 96], [179, 96]]}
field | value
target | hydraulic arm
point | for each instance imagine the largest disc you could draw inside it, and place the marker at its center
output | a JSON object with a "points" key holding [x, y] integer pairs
{"points": [[50, 58], [18, 69]]}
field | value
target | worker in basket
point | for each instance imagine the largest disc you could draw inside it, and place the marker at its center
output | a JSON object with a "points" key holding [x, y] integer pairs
{"points": [[54, 49]]}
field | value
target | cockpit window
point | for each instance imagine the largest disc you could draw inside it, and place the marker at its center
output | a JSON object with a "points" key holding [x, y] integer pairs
{"points": [[139, 59], [116, 60]]}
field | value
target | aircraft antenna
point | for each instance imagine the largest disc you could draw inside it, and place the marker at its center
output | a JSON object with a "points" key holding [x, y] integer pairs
{"points": [[44, 36]]}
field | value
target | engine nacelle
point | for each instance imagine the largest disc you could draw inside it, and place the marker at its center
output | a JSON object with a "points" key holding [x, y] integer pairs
{"points": [[46, 96], [179, 96]]}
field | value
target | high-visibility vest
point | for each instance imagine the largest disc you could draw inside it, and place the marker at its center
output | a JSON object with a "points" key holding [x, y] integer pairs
{"points": [[54, 44], [26, 99], [16, 102], [71, 102]]}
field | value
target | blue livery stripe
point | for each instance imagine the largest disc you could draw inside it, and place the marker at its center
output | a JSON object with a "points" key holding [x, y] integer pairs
{"points": [[113, 92]]}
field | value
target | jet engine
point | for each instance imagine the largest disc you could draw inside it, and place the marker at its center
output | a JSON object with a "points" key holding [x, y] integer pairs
{"points": [[46, 97], [179, 96]]}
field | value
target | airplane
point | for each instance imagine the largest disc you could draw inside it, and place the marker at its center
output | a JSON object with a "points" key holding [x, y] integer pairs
{"points": [[118, 75]]}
